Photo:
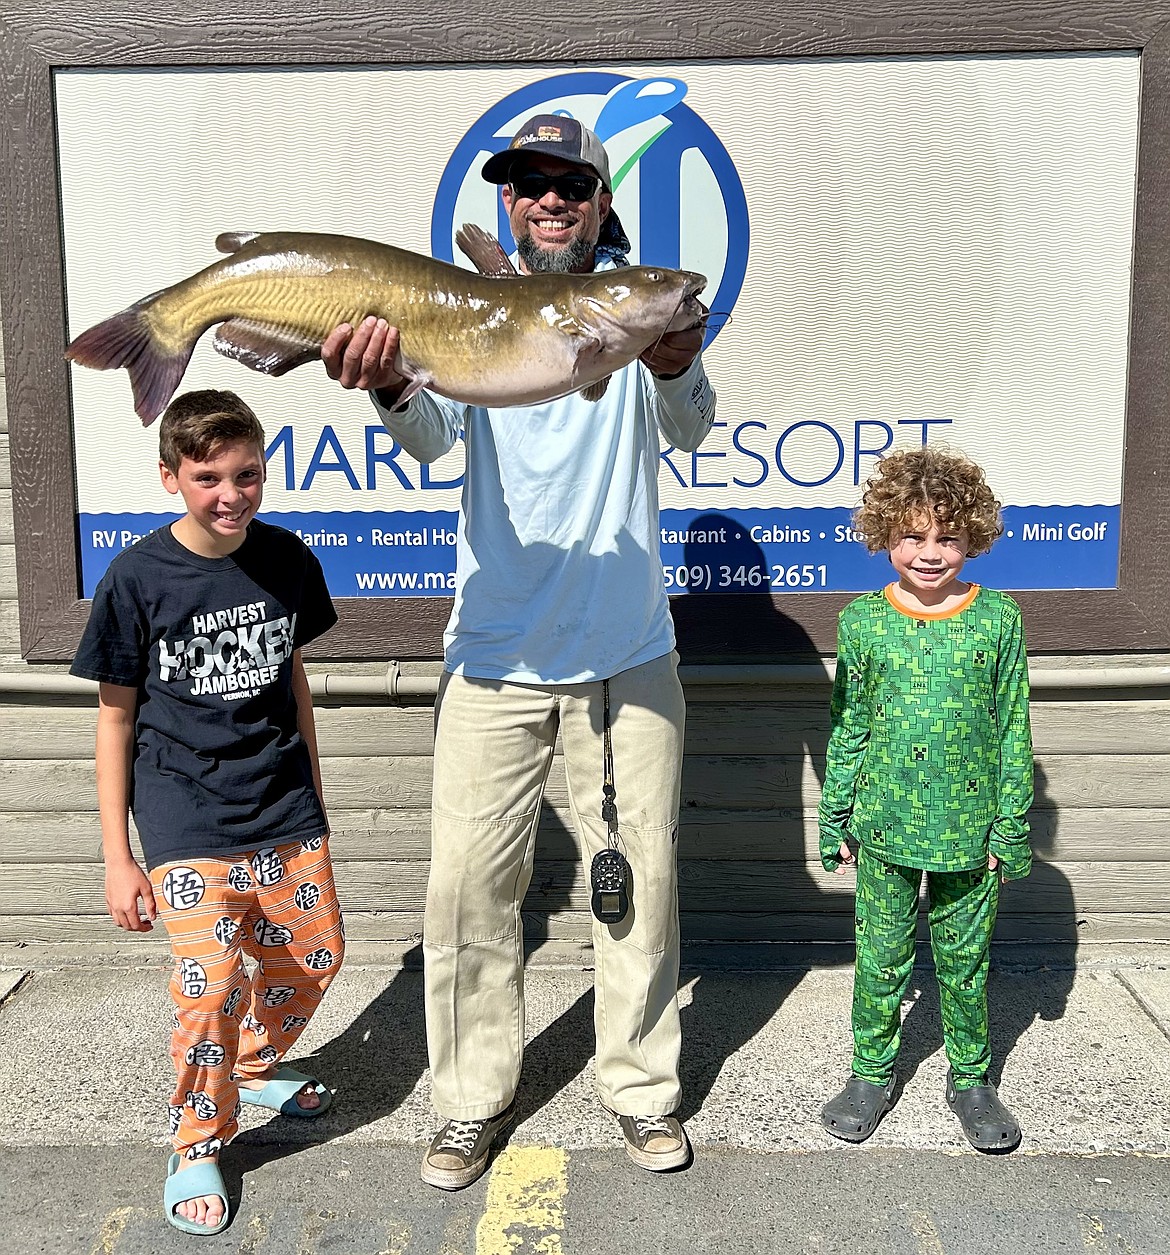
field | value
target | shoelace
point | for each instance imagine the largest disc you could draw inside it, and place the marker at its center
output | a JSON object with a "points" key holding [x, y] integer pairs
{"points": [[460, 1135], [651, 1124]]}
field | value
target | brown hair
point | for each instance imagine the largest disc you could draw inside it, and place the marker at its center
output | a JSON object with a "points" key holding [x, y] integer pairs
{"points": [[928, 483], [196, 424]]}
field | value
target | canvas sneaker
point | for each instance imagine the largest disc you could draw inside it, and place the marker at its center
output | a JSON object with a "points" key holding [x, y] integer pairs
{"points": [[461, 1150], [655, 1142]]}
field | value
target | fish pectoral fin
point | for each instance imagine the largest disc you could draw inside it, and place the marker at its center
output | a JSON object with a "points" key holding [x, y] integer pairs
{"points": [[586, 348], [585, 340], [484, 252], [596, 390], [263, 347]]}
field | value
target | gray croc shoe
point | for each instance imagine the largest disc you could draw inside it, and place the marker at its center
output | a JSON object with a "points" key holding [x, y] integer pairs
{"points": [[987, 1123], [857, 1110]]}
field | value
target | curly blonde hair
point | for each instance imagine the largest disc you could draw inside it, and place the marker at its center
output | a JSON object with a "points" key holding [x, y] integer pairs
{"points": [[928, 483]]}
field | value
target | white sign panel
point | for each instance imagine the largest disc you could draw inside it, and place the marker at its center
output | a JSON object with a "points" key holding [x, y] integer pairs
{"points": [[897, 250]]}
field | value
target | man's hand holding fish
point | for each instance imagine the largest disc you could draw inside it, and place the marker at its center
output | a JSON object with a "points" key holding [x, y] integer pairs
{"points": [[365, 357], [673, 352]]}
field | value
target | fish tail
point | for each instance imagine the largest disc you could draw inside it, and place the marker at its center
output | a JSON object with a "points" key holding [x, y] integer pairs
{"points": [[128, 340]]}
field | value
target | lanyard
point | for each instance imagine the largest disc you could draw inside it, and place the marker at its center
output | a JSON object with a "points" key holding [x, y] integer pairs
{"points": [[609, 873], [608, 791]]}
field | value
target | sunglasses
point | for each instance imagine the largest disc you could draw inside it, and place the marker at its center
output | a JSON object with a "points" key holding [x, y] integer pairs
{"points": [[534, 185]]}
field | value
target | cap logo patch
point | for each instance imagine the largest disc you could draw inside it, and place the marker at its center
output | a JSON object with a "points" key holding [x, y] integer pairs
{"points": [[545, 135]]}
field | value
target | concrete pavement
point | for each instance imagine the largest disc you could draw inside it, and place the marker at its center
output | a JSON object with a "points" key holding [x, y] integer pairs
{"points": [[1083, 1051]]}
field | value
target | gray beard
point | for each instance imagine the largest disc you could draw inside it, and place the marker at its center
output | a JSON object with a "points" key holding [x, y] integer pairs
{"points": [[576, 257]]}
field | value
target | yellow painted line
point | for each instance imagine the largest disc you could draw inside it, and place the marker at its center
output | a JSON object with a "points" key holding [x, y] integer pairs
{"points": [[113, 1227], [313, 1230], [525, 1207], [929, 1241], [397, 1239], [1092, 1233], [255, 1235]]}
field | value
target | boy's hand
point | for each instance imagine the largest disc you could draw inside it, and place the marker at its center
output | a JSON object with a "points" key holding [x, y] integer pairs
{"points": [[992, 864], [126, 884], [845, 854]]}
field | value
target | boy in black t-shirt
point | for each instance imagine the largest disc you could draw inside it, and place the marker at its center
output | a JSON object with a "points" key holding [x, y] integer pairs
{"points": [[205, 732]]}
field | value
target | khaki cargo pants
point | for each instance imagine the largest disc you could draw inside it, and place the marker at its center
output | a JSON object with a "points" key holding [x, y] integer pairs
{"points": [[493, 750]]}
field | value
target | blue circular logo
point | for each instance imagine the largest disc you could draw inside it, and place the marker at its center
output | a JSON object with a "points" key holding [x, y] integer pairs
{"points": [[656, 146]]}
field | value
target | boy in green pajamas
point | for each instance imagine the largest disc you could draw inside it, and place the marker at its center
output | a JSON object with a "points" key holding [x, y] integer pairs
{"points": [[929, 770]]}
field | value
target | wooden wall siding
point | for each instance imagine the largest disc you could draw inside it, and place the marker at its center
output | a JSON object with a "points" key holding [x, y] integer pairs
{"points": [[748, 865]]}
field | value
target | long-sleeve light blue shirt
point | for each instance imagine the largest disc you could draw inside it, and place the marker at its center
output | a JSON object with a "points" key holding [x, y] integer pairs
{"points": [[558, 574]]}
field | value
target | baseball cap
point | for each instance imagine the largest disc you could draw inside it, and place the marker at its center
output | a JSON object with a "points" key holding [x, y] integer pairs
{"points": [[554, 136]]}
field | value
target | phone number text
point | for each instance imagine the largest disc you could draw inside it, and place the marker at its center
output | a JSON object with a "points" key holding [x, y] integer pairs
{"points": [[702, 577]]}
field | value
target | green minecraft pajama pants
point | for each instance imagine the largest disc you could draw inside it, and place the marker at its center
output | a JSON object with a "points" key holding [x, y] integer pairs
{"points": [[962, 908]]}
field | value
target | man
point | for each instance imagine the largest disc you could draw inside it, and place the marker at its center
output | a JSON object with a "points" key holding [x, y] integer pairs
{"points": [[560, 623]]}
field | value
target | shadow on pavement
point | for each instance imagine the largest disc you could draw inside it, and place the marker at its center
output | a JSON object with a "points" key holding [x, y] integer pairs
{"points": [[374, 1066]]}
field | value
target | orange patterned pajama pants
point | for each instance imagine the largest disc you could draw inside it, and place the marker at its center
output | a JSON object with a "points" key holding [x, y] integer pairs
{"points": [[277, 906]]}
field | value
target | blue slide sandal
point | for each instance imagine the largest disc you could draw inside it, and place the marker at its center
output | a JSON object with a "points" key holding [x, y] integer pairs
{"points": [[194, 1182], [280, 1094]]}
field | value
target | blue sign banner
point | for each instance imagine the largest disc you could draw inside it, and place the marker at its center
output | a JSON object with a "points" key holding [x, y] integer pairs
{"points": [[398, 553], [816, 550]]}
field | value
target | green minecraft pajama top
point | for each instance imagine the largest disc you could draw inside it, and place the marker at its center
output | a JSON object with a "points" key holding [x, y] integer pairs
{"points": [[929, 768]]}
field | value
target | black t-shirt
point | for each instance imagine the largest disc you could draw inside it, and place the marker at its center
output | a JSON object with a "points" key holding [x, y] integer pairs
{"points": [[219, 765]]}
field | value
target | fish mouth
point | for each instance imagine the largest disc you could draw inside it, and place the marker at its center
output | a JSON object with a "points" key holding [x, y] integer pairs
{"points": [[690, 312]]}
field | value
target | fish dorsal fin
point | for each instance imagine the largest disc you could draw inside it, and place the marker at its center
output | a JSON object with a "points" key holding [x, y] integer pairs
{"points": [[596, 390], [233, 241], [263, 347], [484, 252]]}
